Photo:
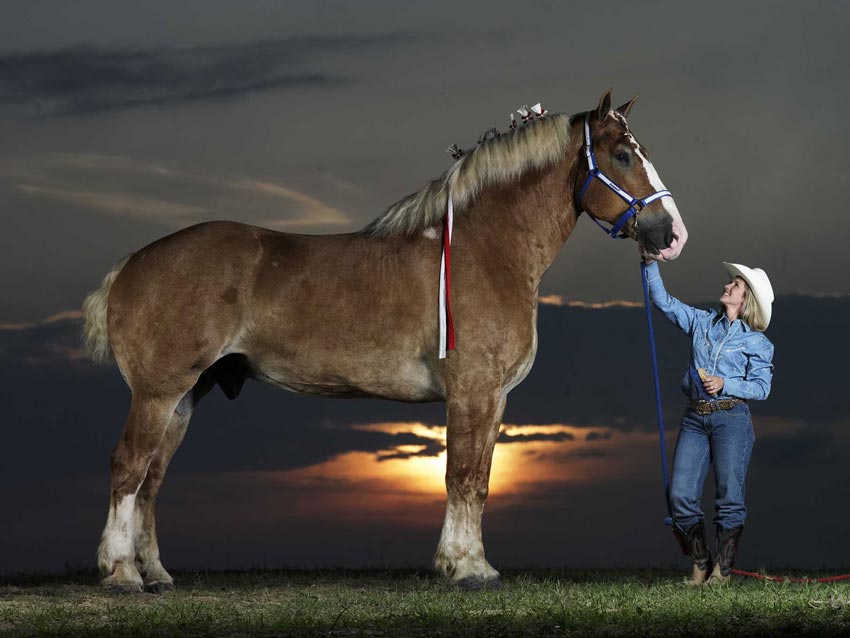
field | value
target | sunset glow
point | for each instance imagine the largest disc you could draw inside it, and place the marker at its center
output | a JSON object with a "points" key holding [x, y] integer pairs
{"points": [[397, 480]]}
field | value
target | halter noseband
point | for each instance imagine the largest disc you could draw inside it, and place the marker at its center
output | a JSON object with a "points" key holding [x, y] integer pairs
{"points": [[635, 204]]}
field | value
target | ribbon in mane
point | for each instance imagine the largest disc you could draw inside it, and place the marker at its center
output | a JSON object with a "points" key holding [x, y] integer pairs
{"points": [[447, 329]]}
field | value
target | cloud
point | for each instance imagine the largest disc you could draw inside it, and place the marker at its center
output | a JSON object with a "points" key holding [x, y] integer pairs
{"points": [[422, 430], [527, 433], [315, 212], [51, 342], [312, 210], [565, 455], [558, 300], [79, 179], [122, 204], [86, 79], [431, 448], [65, 315], [15, 326], [343, 185]]}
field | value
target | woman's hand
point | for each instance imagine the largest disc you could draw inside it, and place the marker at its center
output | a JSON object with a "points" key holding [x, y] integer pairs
{"points": [[713, 385], [644, 256]]}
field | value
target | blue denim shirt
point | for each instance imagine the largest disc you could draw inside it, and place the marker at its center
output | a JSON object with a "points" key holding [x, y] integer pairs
{"points": [[736, 352]]}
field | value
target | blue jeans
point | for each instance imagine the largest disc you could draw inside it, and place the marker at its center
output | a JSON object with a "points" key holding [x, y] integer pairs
{"points": [[724, 438]]}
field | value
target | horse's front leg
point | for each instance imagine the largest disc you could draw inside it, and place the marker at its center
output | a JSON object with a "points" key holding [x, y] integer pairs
{"points": [[474, 419]]}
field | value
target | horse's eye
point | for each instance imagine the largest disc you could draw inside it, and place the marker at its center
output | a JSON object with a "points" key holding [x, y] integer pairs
{"points": [[622, 157]]}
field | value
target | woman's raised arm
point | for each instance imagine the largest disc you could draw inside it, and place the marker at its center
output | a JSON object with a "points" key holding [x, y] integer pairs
{"points": [[681, 314]]}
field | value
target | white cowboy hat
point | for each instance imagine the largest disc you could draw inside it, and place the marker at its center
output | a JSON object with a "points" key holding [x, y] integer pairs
{"points": [[759, 285]]}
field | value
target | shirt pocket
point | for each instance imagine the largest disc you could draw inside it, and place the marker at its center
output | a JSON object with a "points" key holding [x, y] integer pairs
{"points": [[736, 358]]}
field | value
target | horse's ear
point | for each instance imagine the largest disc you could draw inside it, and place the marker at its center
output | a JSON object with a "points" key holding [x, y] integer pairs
{"points": [[604, 105], [627, 107]]}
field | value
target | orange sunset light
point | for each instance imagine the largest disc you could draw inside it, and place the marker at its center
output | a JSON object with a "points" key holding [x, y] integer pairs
{"points": [[524, 460]]}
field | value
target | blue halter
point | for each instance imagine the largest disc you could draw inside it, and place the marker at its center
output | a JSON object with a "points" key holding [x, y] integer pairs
{"points": [[635, 204]]}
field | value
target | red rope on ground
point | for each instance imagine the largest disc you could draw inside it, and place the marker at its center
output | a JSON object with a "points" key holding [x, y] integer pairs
{"points": [[782, 579]]}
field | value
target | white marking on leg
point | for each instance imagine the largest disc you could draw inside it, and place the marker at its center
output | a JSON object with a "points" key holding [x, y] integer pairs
{"points": [[460, 553], [121, 534], [117, 542]]}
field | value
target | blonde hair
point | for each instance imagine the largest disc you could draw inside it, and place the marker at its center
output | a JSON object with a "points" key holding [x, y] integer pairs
{"points": [[750, 310]]}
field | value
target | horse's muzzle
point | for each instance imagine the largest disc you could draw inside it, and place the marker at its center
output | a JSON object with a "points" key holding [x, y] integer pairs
{"points": [[662, 236]]}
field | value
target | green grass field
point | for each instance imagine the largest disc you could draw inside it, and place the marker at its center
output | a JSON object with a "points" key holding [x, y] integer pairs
{"points": [[416, 603]]}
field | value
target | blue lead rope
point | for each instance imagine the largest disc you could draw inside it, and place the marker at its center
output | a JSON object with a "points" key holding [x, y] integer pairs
{"points": [[669, 519]]}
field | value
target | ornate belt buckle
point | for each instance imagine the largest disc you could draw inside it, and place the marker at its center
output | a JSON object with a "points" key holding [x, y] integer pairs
{"points": [[703, 407]]}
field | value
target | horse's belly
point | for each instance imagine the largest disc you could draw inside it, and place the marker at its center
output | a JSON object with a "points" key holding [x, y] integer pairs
{"points": [[398, 380]]}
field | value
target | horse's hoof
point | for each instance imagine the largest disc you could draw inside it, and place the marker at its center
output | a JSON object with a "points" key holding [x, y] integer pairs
{"points": [[125, 579], [471, 583], [159, 587]]}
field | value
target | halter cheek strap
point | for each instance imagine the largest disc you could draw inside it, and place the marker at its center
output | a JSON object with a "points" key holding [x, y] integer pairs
{"points": [[635, 204]]}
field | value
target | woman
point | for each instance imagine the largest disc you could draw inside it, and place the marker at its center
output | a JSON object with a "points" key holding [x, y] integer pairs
{"points": [[731, 363]]}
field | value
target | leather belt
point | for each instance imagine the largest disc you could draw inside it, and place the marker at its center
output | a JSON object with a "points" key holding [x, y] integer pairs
{"points": [[707, 407]]}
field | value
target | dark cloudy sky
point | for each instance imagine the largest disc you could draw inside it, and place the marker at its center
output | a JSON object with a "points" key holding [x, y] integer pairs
{"points": [[122, 122]]}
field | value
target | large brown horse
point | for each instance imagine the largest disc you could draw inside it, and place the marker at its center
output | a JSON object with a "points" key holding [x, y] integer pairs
{"points": [[356, 314]]}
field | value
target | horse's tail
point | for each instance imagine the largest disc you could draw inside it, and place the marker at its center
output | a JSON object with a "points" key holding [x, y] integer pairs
{"points": [[96, 330]]}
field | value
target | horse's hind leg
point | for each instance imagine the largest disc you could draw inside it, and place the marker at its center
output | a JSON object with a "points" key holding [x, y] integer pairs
{"points": [[146, 426], [154, 575], [472, 430]]}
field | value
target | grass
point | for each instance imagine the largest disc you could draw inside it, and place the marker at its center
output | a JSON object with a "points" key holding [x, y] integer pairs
{"points": [[416, 603]]}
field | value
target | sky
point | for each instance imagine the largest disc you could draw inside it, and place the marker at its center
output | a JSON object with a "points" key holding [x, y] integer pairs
{"points": [[122, 122]]}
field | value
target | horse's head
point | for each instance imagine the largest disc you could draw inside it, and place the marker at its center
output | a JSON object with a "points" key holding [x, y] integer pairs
{"points": [[620, 158]]}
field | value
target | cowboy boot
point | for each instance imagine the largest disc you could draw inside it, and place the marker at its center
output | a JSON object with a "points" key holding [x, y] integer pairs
{"points": [[727, 545], [694, 545]]}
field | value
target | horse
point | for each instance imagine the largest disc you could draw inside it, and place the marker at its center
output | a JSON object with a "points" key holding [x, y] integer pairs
{"points": [[355, 315]]}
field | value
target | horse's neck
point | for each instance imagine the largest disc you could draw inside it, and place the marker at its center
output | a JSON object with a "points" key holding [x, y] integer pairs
{"points": [[525, 231]]}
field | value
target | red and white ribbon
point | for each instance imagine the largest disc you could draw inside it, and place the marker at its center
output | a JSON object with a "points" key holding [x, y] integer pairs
{"points": [[447, 330]]}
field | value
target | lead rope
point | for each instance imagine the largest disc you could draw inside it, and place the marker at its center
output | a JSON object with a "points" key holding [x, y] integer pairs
{"points": [[669, 519]]}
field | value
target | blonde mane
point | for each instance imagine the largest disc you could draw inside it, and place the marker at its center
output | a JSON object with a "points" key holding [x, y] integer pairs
{"points": [[499, 160]]}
